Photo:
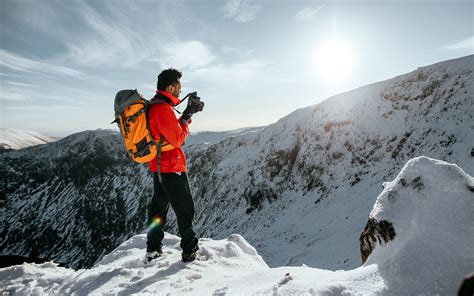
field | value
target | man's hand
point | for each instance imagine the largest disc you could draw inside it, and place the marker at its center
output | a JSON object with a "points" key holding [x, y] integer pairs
{"points": [[194, 105]]}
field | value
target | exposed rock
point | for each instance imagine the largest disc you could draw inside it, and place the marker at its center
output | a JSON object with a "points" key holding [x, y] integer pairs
{"points": [[375, 232]]}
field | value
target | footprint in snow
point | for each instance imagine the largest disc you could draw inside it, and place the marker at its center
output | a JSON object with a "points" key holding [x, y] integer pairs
{"points": [[220, 292], [194, 277], [285, 280]]}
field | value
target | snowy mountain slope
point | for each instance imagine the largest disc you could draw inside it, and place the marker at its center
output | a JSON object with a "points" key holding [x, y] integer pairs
{"points": [[300, 190], [17, 139], [209, 138], [428, 254], [73, 200]]}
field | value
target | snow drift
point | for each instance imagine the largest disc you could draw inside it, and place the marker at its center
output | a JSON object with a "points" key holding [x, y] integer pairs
{"points": [[430, 205], [429, 209]]}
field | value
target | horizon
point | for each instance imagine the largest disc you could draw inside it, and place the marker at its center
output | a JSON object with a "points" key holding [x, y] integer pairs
{"points": [[336, 47]]}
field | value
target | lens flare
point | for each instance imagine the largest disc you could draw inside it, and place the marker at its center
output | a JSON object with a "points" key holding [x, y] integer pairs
{"points": [[154, 223]]}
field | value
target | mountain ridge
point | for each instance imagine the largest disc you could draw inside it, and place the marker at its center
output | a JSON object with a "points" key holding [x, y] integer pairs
{"points": [[18, 139]]}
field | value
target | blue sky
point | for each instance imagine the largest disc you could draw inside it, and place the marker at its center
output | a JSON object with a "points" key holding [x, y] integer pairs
{"points": [[252, 62]]}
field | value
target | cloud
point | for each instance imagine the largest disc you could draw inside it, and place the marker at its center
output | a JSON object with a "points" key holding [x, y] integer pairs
{"points": [[97, 33], [19, 63], [20, 84], [13, 96], [42, 108], [23, 94], [28, 93], [463, 44], [236, 51], [307, 13], [230, 74], [182, 55], [111, 34], [103, 41], [241, 11]]}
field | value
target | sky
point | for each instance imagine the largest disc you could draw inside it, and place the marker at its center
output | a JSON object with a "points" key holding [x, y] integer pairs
{"points": [[251, 62]]}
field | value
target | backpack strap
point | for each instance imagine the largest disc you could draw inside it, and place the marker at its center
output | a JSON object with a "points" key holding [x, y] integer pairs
{"points": [[160, 142], [158, 155], [133, 117]]}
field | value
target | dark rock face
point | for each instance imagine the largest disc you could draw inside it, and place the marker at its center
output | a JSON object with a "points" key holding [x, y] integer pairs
{"points": [[375, 232]]}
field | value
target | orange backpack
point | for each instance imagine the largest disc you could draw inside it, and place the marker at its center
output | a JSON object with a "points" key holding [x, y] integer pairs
{"points": [[131, 116]]}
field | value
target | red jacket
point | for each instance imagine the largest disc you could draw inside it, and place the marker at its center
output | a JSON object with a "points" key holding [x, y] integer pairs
{"points": [[163, 123]]}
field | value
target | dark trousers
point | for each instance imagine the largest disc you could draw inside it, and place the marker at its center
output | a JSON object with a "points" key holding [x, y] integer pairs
{"points": [[174, 189]]}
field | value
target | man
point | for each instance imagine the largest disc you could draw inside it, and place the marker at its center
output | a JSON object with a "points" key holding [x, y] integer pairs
{"points": [[171, 182]]}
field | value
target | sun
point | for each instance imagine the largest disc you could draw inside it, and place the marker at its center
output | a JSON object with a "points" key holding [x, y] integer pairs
{"points": [[333, 61]]}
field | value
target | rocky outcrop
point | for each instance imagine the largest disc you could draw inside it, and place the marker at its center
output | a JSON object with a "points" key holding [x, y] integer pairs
{"points": [[375, 232]]}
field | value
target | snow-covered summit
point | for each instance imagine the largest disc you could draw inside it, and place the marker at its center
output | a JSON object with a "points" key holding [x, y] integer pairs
{"points": [[17, 139], [123, 272], [428, 208]]}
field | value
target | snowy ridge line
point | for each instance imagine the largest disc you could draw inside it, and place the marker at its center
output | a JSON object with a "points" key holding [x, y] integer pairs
{"points": [[418, 206], [18, 139]]}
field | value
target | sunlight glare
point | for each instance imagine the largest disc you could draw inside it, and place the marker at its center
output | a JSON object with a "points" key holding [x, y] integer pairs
{"points": [[333, 61]]}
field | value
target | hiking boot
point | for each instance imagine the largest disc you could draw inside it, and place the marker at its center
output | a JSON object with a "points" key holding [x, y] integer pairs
{"points": [[188, 257], [149, 256]]}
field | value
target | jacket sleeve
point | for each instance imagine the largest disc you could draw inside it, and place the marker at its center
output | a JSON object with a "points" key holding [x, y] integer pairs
{"points": [[163, 122]]}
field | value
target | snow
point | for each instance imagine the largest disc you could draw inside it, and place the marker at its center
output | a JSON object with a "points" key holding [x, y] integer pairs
{"points": [[124, 272], [17, 139], [430, 205], [209, 138]]}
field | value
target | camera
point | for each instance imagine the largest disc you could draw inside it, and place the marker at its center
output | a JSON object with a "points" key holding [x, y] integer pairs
{"points": [[195, 102]]}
